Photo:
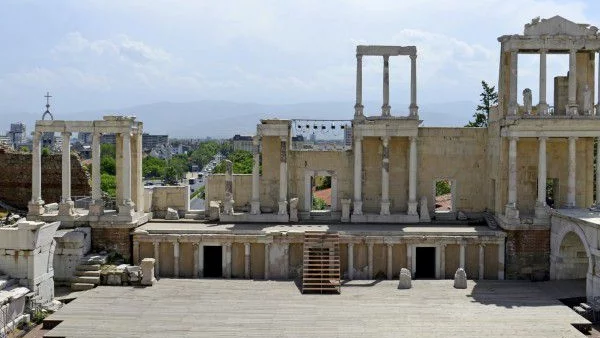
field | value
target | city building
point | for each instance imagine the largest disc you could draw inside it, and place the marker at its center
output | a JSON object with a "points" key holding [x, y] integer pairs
{"points": [[242, 142], [151, 141]]}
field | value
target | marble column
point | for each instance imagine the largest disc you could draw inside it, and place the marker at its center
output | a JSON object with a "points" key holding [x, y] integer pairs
{"points": [[36, 205], [267, 250], [176, 259], [350, 261], [511, 211], [385, 108], [228, 260], [385, 178], [358, 107], [443, 261], [501, 260], [390, 265], [481, 261], [283, 177], [572, 167], [598, 172], [540, 207], [572, 102], [255, 204], [462, 256], [598, 89], [370, 259], [97, 205], [195, 269], [409, 250], [357, 176], [127, 205], [512, 105], [200, 260], [413, 108], [412, 177], [156, 245], [136, 252], [246, 260], [66, 206], [543, 105]]}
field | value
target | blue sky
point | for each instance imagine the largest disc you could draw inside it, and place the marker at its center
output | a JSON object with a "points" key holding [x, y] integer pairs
{"points": [[96, 54]]}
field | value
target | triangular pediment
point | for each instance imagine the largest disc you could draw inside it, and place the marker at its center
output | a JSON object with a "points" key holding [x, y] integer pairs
{"points": [[558, 25]]}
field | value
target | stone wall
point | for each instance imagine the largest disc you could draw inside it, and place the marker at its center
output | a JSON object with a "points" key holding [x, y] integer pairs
{"points": [[528, 254], [242, 189], [176, 197], [15, 179], [112, 239], [71, 246]]}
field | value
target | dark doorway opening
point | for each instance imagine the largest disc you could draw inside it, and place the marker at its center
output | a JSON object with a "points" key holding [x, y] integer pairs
{"points": [[213, 258], [425, 263]]}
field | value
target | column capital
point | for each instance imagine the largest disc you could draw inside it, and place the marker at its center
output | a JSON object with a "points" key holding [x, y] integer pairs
{"points": [[350, 244], [386, 58], [66, 132], [543, 50], [385, 140], [256, 140], [573, 138], [283, 138], [412, 138], [543, 138], [359, 138], [359, 57], [413, 57], [513, 138]]}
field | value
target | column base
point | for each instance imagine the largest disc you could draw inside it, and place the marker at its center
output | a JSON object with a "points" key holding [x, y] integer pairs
{"points": [[386, 110], [412, 208], [357, 208], [385, 208], [598, 109], [414, 110], [511, 212], [541, 214], [66, 208], [572, 109], [359, 111], [542, 109], [228, 207], [513, 108], [96, 208], [255, 208], [36, 208], [127, 209], [282, 208]]}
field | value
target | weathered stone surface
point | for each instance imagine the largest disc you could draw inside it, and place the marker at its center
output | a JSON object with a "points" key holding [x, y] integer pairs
{"points": [[461, 216], [294, 209], [424, 210], [172, 214], [214, 210], [405, 279], [147, 266], [346, 209], [460, 279]]}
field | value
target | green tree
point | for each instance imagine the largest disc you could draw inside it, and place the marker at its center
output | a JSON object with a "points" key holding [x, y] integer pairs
{"points": [[153, 167], [442, 187], [170, 176], [489, 97], [45, 151], [242, 163], [204, 153], [108, 165], [108, 150], [319, 203], [108, 183]]}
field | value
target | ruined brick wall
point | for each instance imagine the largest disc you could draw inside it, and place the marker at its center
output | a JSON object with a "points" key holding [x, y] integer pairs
{"points": [[112, 239], [15, 178], [528, 254]]}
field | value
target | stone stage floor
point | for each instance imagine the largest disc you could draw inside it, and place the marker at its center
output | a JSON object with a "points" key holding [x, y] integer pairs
{"points": [[235, 308]]}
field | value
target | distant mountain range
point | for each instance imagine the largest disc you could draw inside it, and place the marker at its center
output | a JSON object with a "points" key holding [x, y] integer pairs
{"points": [[223, 119]]}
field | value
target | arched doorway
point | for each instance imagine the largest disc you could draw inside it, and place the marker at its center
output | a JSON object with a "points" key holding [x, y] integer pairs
{"points": [[572, 260]]}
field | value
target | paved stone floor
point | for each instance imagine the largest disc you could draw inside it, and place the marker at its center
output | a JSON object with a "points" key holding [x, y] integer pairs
{"points": [[432, 308]]}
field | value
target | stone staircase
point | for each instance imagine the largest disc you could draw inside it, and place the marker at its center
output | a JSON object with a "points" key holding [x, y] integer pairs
{"points": [[194, 214], [585, 310], [87, 274], [13, 299]]}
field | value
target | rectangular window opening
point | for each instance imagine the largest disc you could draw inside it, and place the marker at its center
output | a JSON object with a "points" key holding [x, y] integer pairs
{"points": [[443, 196], [321, 193]]}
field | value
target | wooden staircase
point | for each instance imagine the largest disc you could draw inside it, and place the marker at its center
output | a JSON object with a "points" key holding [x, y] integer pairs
{"points": [[321, 268]]}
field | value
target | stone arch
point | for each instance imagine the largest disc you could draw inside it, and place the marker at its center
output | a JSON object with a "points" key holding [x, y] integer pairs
{"points": [[567, 262]]}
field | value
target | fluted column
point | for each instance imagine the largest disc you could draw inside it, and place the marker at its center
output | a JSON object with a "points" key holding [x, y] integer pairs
{"points": [[597, 204], [572, 103], [385, 178], [66, 207], [572, 167], [156, 245], [283, 177], [543, 105], [36, 205], [200, 259], [358, 107], [540, 207], [511, 211], [462, 256], [501, 260], [267, 251], [385, 108], [127, 205], [481, 261], [409, 250], [512, 106], [176, 259], [598, 89], [227, 260], [412, 177], [136, 252], [370, 260], [350, 261], [97, 205], [246, 260], [255, 204], [195, 260], [357, 176], [413, 108], [443, 261], [390, 266]]}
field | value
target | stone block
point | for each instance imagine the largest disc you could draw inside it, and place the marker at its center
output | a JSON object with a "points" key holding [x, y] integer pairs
{"points": [[346, 210], [461, 216], [460, 279], [405, 279], [294, 209], [147, 266], [214, 210], [424, 211], [113, 279]]}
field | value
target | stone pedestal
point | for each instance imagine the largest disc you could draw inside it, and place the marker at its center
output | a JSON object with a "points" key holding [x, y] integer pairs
{"points": [[412, 208], [345, 210], [424, 216], [405, 279], [255, 207], [228, 207], [460, 279], [127, 209], [96, 208], [385, 208], [541, 214], [294, 209], [282, 208], [66, 208], [511, 213], [35, 208], [147, 266], [172, 214]]}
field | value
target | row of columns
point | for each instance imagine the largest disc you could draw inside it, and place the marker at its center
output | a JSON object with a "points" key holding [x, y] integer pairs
{"points": [[409, 254], [283, 177], [198, 259], [385, 177], [385, 107], [572, 105], [511, 207], [66, 205]]}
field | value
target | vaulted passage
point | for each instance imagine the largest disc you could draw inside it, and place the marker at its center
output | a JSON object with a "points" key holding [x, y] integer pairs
{"points": [[425, 263], [572, 261], [213, 258]]}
